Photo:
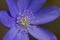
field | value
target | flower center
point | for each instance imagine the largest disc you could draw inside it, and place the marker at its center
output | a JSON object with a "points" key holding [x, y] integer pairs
{"points": [[24, 18], [24, 21]]}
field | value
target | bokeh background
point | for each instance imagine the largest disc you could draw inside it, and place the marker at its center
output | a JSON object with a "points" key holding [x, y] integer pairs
{"points": [[52, 26]]}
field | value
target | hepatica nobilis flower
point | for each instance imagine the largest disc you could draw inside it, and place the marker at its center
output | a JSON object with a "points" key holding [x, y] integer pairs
{"points": [[23, 18]]}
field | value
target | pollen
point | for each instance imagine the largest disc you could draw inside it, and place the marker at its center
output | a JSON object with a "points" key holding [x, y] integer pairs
{"points": [[24, 21]]}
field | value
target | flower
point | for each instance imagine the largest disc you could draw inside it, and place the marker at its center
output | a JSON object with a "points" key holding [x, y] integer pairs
{"points": [[23, 18]]}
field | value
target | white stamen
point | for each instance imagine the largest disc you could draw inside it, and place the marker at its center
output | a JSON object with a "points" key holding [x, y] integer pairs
{"points": [[18, 21], [18, 18], [20, 14]]}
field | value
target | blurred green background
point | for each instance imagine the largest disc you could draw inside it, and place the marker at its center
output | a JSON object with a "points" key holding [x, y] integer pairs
{"points": [[52, 26]]}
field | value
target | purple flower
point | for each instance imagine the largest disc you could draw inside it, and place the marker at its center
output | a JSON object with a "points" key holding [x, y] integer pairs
{"points": [[23, 18]]}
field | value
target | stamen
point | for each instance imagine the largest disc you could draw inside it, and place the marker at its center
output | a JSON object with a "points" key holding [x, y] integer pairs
{"points": [[20, 14], [18, 18], [24, 18], [17, 21]]}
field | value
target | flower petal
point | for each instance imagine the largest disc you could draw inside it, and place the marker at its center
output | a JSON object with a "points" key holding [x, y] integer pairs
{"points": [[6, 20], [16, 34], [45, 15], [23, 4], [21, 36], [12, 7], [59, 11], [36, 5], [11, 34], [41, 34]]}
